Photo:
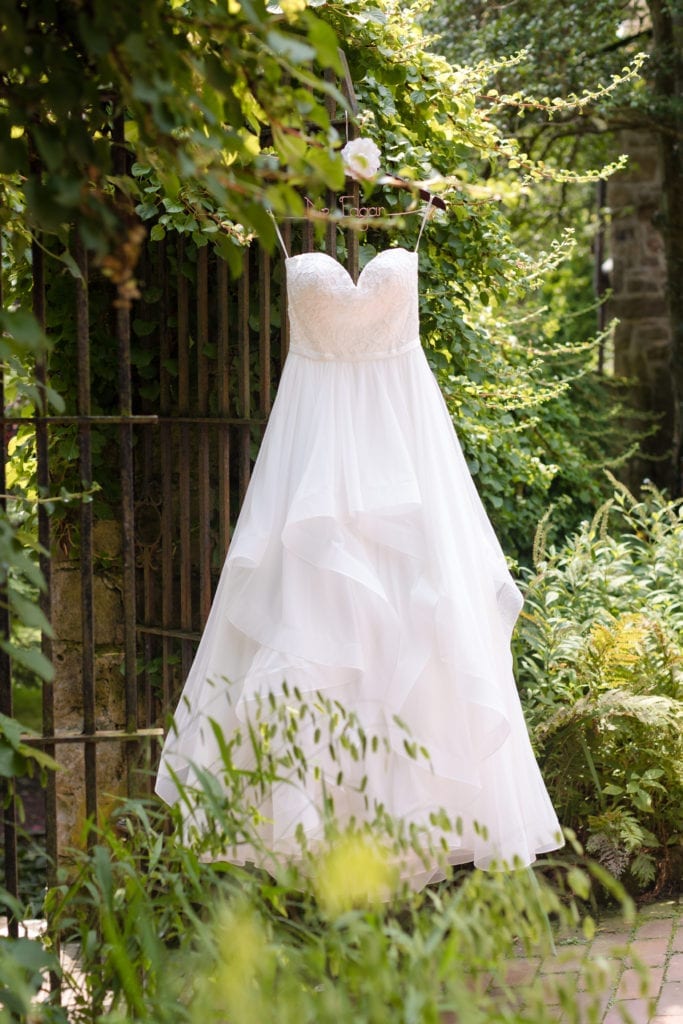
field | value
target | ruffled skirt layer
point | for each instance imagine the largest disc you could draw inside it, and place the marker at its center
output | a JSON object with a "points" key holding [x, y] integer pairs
{"points": [[363, 566]]}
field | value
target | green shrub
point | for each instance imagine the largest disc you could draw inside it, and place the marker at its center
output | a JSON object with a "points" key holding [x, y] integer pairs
{"points": [[166, 931], [23, 965], [600, 664]]}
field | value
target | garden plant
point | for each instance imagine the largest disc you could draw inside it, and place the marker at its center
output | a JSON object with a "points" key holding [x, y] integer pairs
{"points": [[221, 113]]}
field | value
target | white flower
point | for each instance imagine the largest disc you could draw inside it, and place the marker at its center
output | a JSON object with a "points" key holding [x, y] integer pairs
{"points": [[361, 158]]}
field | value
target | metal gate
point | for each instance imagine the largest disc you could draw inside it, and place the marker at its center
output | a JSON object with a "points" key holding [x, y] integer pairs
{"points": [[197, 360]]}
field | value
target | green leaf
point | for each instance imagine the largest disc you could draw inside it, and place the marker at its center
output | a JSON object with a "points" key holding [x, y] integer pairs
{"points": [[613, 790], [143, 328], [28, 612], [31, 658], [23, 328], [290, 47], [12, 764], [325, 42], [54, 399], [146, 210], [372, 14], [67, 259], [579, 882], [30, 954], [10, 730], [230, 251], [48, 144]]}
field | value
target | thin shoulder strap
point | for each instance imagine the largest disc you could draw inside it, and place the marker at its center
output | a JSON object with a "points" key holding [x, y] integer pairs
{"points": [[424, 221], [281, 239]]}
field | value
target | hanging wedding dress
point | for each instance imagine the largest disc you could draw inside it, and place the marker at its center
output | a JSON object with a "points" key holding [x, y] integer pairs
{"points": [[363, 566]]}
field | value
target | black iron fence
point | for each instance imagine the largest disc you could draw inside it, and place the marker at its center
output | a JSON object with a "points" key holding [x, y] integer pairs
{"points": [[169, 405]]}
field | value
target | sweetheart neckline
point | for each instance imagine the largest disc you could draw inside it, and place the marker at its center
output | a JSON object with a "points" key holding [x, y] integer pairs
{"points": [[355, 284]]}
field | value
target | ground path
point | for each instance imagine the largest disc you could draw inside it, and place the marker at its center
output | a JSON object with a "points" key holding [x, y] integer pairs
{"points": [[655, 938], [626, 994]]}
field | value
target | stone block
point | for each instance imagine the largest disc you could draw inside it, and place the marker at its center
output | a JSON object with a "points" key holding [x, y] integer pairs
{"points": [[656, 335], [66, 601], [621, 195], [107, 539], [109, 714], [623, 232], [634, 307], [111, 786], [644, 165], [68, 698], [654, 245], [637, 283], [66, 605]]}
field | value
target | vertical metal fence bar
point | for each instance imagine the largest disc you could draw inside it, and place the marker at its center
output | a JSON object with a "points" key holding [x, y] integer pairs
{"points": [[127, 498], [166, 450], [145, 461], [7, 797], [264, 334], [45, 562], [284, 318], [223, 390], [149, 598], [352, 242], [330, 227], [45, 541], [244, 377], [203, 454], [86, 561], [128, 534], [307, 233], [184, 461]]}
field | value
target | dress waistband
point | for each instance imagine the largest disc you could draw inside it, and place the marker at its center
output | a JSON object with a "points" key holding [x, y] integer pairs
{"points": [[357, 357]]}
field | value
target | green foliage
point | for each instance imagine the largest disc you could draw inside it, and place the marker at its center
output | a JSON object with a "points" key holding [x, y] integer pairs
{"points": [[564, 52], [21, 582], [600, 664], [558, 99], [20, 575], [536, 420], [197, 85], [257, 140], [17, 757], [23, 964], [578, 78], [169, 931]]}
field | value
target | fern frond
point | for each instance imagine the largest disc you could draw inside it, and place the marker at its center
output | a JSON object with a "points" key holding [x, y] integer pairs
{"points": [[643, 867], [621, 643], [608, 853], [650, 710]]}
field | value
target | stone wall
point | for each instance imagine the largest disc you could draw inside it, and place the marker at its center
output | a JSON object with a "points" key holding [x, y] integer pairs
{"points": [[109, 687], [638, 280]]}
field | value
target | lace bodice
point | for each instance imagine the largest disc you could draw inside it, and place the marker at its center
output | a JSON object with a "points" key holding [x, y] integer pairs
{"points": [[330, 317]]}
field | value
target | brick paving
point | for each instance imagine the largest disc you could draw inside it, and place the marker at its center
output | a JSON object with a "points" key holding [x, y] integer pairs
{"points": [[627, 972]]}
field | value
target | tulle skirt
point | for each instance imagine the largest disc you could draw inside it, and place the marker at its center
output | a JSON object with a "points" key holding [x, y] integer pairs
{"points": [[363, 567]]}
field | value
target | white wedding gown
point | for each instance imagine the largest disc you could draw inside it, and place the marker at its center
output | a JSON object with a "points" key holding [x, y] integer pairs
{"points": [[363, 566]]}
